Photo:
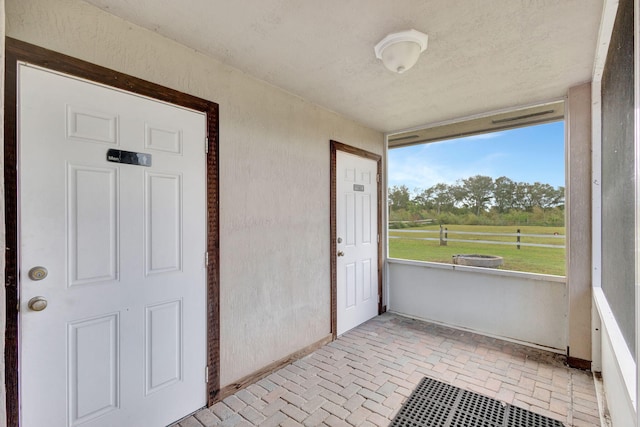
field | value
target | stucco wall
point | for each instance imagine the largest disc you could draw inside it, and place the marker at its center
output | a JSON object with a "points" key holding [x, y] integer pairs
{"points": [[274, 176], [578, 216]]}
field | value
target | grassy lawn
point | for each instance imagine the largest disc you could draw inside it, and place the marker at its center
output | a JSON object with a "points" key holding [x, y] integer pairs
{"points": [[528, 258]]}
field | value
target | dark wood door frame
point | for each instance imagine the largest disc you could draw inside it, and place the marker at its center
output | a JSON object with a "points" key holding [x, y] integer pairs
{"points": [[338, 146], [18, 51]]}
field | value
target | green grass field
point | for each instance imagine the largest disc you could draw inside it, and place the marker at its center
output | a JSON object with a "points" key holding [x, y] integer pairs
{"points": [[530, 259]]}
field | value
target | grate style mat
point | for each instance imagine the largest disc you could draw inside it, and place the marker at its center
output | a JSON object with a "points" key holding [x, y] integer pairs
{"points": [[436, 404]]}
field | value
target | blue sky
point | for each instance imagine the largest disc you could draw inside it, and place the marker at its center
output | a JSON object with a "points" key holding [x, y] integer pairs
{"points": [[529, 154]]}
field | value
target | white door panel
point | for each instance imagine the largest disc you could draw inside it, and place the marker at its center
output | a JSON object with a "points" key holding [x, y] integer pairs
{"points": [[123, 338], [357, 240]]}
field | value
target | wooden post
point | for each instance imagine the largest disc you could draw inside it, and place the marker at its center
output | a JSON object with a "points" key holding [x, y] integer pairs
{"points": [[518, 238], [443, 242], [446, 235]]}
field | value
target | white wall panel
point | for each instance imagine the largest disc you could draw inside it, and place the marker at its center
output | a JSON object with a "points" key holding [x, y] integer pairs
{"points": [[524, 307], [351, 285], [618, 365], [350, 219], [158, 138], [366, 280], [163, 338], [365, 209], [93, 376], [92, 126], [163, 223], [93, 224]]}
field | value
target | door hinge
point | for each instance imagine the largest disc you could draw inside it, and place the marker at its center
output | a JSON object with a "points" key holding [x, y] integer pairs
{"points": [[377, 177], [206, 258], [206, 145], [206, 374], [378, 238]]}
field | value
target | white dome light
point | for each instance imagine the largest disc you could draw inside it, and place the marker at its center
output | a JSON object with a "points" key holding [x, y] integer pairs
{"points": [[400, 51]]}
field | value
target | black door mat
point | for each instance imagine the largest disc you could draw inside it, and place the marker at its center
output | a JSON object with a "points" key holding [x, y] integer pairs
{"points": [[436, 404]]}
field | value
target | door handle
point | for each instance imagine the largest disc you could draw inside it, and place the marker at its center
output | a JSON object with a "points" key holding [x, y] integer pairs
{"points": [[340, 253], [38, 303]]}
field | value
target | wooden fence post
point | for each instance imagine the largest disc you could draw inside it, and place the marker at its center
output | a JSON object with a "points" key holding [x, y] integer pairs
{"points": [[518, 238], [443, 236]]}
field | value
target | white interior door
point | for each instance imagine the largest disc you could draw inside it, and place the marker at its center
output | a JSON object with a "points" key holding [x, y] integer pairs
{"points": [[122, 340], [357, 240]]}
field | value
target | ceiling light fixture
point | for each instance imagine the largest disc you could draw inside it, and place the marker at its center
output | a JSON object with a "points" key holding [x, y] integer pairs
{"points": [[400, 51]]}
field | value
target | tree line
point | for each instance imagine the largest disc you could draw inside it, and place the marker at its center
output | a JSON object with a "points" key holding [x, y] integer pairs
{"points": [[477, 195]]}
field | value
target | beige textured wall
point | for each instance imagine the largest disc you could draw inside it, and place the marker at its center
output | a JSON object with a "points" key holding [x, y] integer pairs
{"points": [[274, 176], [578, 202]]}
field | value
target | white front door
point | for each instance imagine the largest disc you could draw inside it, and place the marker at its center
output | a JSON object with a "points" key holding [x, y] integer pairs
{"points": [[357, 240], [122, 340]]}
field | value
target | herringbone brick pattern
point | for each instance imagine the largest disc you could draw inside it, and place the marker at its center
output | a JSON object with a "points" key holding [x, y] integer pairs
{"points": [[363, 378]]}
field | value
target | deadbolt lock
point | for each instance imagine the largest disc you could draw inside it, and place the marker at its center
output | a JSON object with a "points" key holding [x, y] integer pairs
{"points": [[38, 273]]}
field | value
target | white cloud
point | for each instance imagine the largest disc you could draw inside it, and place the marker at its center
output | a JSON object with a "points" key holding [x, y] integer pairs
{"points": [[490, 135], [419, 172], [420, 169]]}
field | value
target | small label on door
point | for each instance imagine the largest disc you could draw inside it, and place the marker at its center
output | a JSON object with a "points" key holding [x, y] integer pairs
{"points": [[129, 157], [358, 187]]}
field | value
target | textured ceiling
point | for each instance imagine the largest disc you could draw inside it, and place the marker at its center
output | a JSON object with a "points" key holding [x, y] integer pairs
{"points": [[483, 55]]}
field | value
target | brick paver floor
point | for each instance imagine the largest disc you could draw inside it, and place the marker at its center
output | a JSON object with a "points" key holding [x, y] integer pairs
{"points": [[363, 377]]}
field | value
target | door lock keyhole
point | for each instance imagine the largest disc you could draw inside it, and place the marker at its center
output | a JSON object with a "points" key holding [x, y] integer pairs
{"points": [[38, 273]]}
